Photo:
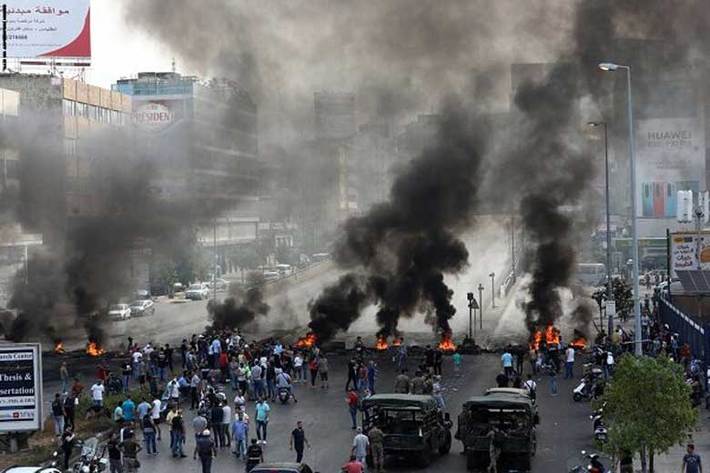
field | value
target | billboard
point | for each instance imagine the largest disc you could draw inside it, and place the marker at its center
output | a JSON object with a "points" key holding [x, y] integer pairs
{"points": [[20, 387], [670, 157], [684, 251], [53, 28]]}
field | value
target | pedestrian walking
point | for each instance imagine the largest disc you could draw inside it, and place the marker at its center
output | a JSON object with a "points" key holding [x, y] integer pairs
{"points": [[377, 447], [64, 376], [114, 455], [255, 455], [149, 432], [226, 421], [298, 368], [204, 448], [507, 361], [70, 403], [371, 376], [58, 415], [67, 446], [129, 409], [458, 361], [216, 424], [531, 387], [144, 408], [360, 446], [401, 382], [438, 360], [298, 441], [353, 466], [240, 429], [126, 372], [262, 419], [352, 401], [177, 432], [691, 461], [352, 375], [323, 370], [569, 362], [155, 415], [130, 449], [313, 368], [553, 380]]}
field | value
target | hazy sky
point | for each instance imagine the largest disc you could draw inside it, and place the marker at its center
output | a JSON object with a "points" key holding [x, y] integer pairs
{"points": [[120, 51]]}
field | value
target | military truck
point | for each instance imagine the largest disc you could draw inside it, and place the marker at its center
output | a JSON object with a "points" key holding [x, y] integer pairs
{"points": [[513, 417], [412, 424]]}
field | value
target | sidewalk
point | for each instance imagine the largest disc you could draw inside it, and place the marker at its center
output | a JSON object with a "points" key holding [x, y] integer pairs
{"points": [[673, 460]]}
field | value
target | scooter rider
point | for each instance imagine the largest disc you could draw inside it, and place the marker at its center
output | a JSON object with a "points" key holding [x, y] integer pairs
{"points": [[283, 381]]}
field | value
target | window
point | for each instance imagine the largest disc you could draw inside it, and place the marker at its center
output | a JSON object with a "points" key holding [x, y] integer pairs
{"points": [[69, 107]]}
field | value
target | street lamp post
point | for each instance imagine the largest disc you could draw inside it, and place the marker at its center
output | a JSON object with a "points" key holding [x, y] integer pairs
{"points": [[480, 310], [609, 289], [472, 306], [607, 66], [493, 290]]}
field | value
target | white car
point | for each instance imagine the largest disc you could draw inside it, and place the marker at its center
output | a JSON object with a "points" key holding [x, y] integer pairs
{"points": [[119, 312], [32, 469], [197, 292], [144, 307], [219, 282]]}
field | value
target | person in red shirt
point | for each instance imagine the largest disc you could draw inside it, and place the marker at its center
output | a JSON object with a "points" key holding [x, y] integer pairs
{"points": [[353, 466], [352, 400]]}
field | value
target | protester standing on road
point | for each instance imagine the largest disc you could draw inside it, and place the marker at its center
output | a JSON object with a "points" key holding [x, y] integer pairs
{"points": [[68, 442], [323, 370], [691, 461], [239, 435], [569, 362], [64, 376], [313, 366], [298, 441], [204, 448], [360, 446], [371, 376], [255, 455], [177, 432], [129, 409], [114, 456], [352, 401], [226, 421], [262, 419], [352, 375], [507, 360], [401, 383], [155, 415], [70, 403], [377, 447], [97, 394], [531, 386], [353, 466], [553, 379], [130, 448], [458, 361], [58, 415], [149, 435]]}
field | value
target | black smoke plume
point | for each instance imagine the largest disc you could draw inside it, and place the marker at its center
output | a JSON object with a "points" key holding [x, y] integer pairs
{"points": [[241, 308], [398, 253]]}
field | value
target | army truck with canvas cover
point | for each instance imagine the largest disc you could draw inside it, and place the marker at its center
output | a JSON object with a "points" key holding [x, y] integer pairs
{"points": [[413, 425], [498, 423]]}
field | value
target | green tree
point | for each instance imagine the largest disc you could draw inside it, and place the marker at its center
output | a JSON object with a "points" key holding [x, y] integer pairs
{"points": [[648, 407]]}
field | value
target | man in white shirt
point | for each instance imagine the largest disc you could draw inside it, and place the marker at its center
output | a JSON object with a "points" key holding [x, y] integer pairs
{"points": [[155, 414], [97, 394], [569, 362], [360, 446], [531, 386]]}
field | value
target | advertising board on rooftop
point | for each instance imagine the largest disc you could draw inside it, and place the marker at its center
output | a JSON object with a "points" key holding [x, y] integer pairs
{"points": [[49, 29]]}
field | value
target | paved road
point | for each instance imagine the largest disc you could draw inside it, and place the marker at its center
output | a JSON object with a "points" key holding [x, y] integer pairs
{"points": [[563, 432]]}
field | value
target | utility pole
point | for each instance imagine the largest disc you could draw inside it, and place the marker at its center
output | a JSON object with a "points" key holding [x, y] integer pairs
{"points": [[214, 262], [493, 290], [472, 306], [480, 298]]}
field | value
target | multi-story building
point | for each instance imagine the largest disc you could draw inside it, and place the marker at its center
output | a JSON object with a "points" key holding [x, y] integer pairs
{"points": [[203, 139]]}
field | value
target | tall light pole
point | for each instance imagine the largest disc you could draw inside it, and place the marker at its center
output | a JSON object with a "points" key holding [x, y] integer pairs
{"points": [[493, 290], [480, 310], [609, 288], [608, 66]]}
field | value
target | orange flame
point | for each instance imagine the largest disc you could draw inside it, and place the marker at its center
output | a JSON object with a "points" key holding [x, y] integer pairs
{"points": [[446, 343], [94, 349], [59, 347], [396, 342], [381, 344], [308, 341], [580, 343], [551, 335]]}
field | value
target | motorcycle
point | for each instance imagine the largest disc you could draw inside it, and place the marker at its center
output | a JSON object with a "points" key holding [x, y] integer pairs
{"points": [[588, 386], [91, 459], [589, 462], [601, 434]]}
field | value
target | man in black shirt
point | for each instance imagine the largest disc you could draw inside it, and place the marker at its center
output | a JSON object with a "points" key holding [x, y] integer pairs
{"points": [[255, 455], [114, 455], [204, 447], [298, 441], [169, 357], [217, 417]]}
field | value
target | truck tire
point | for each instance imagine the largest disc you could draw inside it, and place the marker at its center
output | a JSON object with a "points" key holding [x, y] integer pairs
{"points": [[445, 447], [577, 397]]}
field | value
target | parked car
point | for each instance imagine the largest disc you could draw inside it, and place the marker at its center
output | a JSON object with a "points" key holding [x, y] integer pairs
{"points": [[142, 295], [221, 284], [119, 312], [271, 275], [197, 292], [144, 307], [32, 469]]}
